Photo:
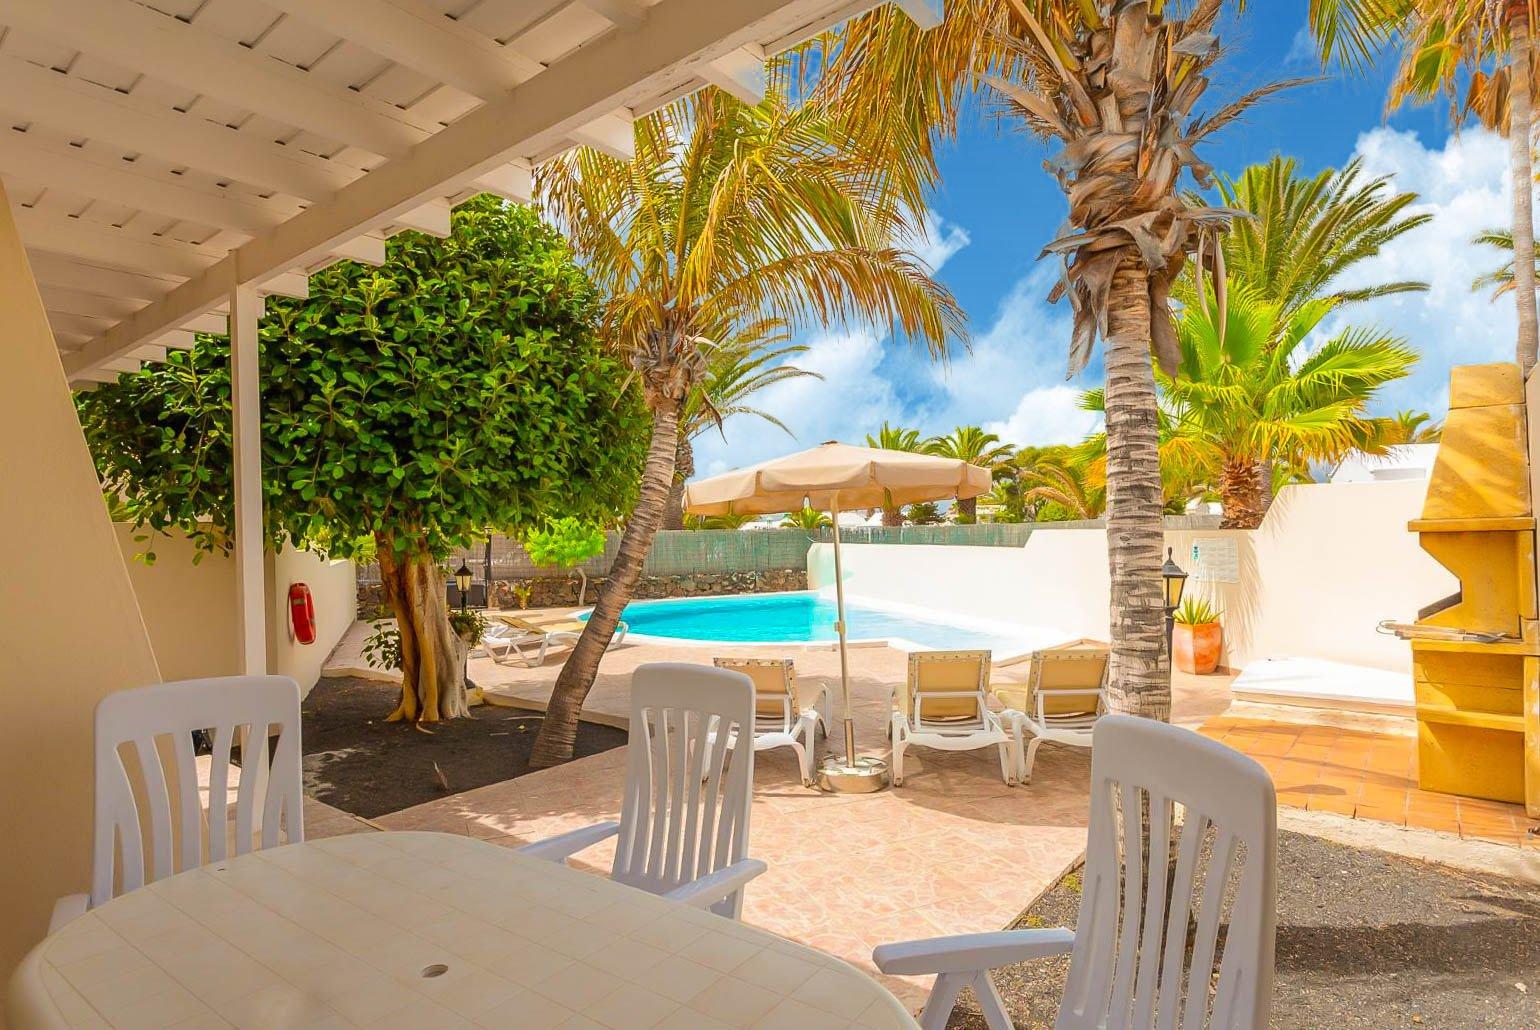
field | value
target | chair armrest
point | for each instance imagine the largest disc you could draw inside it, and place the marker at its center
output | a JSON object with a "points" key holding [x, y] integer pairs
{"points": [[714, 887], [69, 907], [971, 952], [564, 845]]}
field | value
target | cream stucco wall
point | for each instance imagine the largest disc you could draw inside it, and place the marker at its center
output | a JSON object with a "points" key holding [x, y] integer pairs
{"points": [[190, 608], [1329, 562], [70, 627]]}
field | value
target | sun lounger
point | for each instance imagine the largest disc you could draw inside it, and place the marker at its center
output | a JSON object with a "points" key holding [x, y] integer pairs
{"points": [[1060, 701], [786, 713], [944, 705], [526, 639]]}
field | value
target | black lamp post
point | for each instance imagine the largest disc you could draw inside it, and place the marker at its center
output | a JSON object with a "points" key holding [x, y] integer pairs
{"points": [[1175, 581], [463, 579]]}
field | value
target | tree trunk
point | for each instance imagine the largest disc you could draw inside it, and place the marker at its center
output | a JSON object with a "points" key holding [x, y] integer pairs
{"points": [[558, 731], [432, 673], [1139, 680], [1519, 130], [892, 515], [1265, 484], [684, 468], [1240, 494], [968, 510]]}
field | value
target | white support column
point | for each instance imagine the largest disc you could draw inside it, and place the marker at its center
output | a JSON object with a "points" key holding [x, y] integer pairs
{"points": [[246, 402]]}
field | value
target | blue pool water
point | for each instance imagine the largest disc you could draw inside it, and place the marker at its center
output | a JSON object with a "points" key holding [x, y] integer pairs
{"points": [[803, 618]]}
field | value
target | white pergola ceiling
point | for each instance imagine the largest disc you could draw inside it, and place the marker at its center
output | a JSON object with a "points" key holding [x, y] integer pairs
{"points": [[162, 152]]}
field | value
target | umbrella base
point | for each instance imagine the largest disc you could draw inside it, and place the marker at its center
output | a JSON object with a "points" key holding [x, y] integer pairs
{"points": [[863, 776]]}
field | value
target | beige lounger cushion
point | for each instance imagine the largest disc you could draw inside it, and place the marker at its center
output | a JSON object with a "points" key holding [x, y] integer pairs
{"points": [[770, 676], [945, 672], [1077, 665], [547, 624]]}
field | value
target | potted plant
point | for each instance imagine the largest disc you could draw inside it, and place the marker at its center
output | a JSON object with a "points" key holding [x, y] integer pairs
{"points": [[1197, 637]]}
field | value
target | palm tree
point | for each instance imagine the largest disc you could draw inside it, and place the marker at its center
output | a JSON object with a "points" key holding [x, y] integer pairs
{"points": [[894, 438], [809, 519], [1303, 234], [973, 445], [1250, 393], [1068, 487], [1464, 50], [759, 356], [1500, 279], [1408, 427], [729, 521], [728, 214], [1116, 82], [1305, 231]]}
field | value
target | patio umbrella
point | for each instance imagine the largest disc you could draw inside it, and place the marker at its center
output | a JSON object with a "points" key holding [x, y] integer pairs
{"points": [[832, 477]]}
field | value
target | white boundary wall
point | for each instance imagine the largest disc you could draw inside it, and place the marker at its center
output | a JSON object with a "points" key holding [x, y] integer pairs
{"points": [[1329, 562]]}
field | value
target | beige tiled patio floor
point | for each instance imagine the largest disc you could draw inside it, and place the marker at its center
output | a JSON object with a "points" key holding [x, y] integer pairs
{"points": [[954, 850]]}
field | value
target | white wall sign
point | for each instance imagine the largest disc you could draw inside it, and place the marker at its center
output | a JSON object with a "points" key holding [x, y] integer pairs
{"points": [[1216, 559]]}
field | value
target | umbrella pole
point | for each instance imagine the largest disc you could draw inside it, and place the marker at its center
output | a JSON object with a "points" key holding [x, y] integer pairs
{"points": [[839, 628]]}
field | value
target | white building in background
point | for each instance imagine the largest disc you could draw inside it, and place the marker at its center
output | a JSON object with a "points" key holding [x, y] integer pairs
{"points": [[1405, 461]]}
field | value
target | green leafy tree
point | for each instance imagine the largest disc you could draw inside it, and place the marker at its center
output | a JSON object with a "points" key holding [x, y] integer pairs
{"points": [[566, 543], [407, 409], [729, 214], [894, 438], [809, 519], [973, 445]]}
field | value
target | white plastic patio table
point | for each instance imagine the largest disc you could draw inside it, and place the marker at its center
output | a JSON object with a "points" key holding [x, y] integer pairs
{"points": [[424, 930]]}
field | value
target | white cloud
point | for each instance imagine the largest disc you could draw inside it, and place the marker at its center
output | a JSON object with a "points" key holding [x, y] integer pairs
{"points": [[1047, 415], [1464, 186], [938, 240], [1302, 48]]}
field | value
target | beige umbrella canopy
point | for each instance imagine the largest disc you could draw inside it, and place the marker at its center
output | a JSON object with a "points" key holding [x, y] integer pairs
{"points": [[833, 477], [836, 476]]}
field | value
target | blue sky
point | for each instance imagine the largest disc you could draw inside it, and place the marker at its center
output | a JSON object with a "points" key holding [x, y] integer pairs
{"points": [[996, 207]]}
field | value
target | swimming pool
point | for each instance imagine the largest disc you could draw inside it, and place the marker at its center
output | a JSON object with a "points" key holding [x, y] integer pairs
{"points": [[808, 617]]}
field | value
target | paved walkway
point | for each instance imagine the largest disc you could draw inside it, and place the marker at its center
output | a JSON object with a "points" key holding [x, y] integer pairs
{"points": [[1363, 767], [952, 851]]}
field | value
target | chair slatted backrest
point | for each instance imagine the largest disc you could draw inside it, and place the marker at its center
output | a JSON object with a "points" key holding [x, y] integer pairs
{"points": [[775, 684], [1076, 666], [1132, 966], [946, 672], [689, 769], [152, 728]]}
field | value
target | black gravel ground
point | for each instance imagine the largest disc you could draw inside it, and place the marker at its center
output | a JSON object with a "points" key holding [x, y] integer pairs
{"points": [[1365, 939], [360, 763]]}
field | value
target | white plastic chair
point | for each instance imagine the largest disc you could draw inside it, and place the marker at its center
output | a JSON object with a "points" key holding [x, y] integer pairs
{"points": [[944, 705], [157, 724], [1060, 702], [684, 821], [780, 717], [1129, 967]]}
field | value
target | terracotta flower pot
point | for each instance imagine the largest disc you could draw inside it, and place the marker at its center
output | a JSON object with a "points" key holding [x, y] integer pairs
{"points": [[1195, 647]]}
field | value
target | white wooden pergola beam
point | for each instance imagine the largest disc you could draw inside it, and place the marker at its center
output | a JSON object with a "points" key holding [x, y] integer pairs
{"points": [[421, 37], [623, 13], [285, 284], [79, 302], [58, 270], [136, 125], [93, 376], [432, 218], [149, 352], [514, 181], [138, 36], [366, 250], [177, 339], [611, 73], [741, 73], [114, 248], [117, 182], [612, 134], [926, 14]]}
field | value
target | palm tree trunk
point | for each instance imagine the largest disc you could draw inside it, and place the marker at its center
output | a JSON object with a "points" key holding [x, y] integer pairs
{"points": [[1519, 130], [968, 507], [558, 731], [892, 515], [1240, 494], [684, 468], [1139, 681]]}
